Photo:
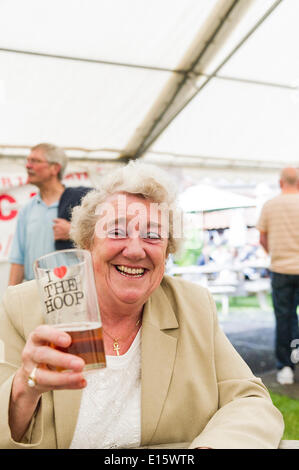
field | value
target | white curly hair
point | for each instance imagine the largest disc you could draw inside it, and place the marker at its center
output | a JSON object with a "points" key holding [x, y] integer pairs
{"points": [[145, 180]]}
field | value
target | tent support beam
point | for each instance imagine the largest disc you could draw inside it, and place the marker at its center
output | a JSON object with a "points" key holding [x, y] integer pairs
{"points": [[180, 90], [91, 61], [204, 161], [175, 160], [145, 67]]}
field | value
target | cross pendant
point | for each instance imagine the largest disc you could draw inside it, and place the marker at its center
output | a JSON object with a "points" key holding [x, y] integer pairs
{"points": [[116, 347]]}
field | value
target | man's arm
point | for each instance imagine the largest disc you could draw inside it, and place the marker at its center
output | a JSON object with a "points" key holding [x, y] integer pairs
{"points": [[264, 241], [16, 274], [61, 229]]}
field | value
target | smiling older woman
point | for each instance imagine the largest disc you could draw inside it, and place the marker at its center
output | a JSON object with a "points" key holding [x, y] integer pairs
{"points": [[172, 376]]}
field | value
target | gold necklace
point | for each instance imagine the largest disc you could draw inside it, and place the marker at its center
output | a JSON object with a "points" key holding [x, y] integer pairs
{"points": [[116, 340]]}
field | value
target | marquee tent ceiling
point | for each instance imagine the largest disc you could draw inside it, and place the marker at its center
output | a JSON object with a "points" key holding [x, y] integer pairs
{"points": [[202, 83]]}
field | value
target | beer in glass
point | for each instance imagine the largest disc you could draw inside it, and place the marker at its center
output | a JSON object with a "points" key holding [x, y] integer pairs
{"points": [[69, 300]]}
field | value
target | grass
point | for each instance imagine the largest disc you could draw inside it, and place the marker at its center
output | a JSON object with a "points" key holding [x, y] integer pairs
{"points": [[250, 301], [289, 408]]}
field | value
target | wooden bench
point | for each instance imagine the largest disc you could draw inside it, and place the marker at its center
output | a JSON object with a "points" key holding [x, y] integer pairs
{"points": [[223, 293]]}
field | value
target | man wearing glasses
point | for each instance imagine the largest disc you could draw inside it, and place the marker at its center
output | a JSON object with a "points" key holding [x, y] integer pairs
{"points": [[43, 223]]}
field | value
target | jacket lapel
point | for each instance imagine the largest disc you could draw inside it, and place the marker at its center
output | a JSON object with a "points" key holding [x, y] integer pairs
{"points": [[158, 355]]}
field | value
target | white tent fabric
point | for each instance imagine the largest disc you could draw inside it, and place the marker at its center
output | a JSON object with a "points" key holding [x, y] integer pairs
{"points": [[210, 83], [85, 103], [250, 110]]}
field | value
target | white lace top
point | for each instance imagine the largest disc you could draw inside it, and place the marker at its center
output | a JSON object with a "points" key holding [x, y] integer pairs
{"points": [[110, 410]]}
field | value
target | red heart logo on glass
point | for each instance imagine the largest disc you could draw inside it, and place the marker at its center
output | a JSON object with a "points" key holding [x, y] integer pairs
{"points": [[60, 272]]}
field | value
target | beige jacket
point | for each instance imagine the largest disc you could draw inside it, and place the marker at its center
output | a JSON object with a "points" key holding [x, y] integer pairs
{"points": [[195, 386]]}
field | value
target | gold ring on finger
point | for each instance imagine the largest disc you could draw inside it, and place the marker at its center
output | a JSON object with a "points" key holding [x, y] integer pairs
{"points": [[31, 382]]}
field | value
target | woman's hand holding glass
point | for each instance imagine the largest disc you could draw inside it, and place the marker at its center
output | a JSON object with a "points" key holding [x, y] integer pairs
{"points": [[45, 361], [49, 361]]}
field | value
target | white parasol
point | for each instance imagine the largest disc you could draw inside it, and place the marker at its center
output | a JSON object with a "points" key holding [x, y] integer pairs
{"points": [[206, 198]]}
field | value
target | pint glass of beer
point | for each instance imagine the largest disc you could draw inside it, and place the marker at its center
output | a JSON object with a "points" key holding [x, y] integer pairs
{"points": [[69, 301]]}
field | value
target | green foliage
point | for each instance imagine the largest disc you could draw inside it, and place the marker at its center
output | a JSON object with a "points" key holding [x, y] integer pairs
{"points": [[192, 248], [189, 257]]}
